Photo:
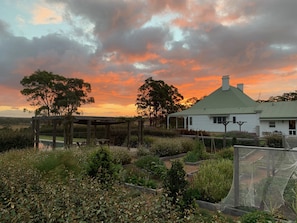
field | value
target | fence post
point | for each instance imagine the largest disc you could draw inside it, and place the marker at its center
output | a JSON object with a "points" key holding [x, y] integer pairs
{"points": [[236, 176]]}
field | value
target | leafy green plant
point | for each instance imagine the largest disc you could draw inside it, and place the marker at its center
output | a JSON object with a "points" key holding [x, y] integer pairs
{"points": [[58, 164], [257, 217], [226, 153], [290, 194], [174, 182], [171, 146], [121, 156], [136, 176], [214, 179], [142, 151], [152, 164], [101, 167], [198, 153], [274, 140]]}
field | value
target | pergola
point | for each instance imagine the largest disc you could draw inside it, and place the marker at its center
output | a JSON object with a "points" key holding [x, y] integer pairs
{"points": [[89, 121]]}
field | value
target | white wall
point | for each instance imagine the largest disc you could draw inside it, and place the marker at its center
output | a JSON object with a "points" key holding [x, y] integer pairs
{"points": [[280, 125], [205, 122]]}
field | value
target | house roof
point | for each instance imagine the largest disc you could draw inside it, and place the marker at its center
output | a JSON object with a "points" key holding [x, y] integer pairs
{"points": [[228, 100], [277, 110], [220, 102]]}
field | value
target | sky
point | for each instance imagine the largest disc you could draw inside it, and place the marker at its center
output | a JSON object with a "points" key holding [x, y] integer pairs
{"points": [[115, 45]]}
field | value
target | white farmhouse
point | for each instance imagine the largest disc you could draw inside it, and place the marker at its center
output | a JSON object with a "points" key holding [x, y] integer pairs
{"points": [[229, 109]]}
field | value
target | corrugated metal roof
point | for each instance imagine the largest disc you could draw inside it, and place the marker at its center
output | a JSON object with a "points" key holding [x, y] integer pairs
{"points": [[231, 101], [234, 101], [278, 110]]}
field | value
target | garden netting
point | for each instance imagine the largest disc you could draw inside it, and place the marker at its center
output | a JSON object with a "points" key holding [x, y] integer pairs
{"points": [[260, 177]]}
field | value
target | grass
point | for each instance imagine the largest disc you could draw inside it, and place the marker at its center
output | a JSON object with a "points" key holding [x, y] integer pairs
{"points": [[59, 138]]}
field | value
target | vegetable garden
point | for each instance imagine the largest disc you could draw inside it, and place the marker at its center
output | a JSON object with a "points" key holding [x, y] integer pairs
{"points": [[89, 184]]}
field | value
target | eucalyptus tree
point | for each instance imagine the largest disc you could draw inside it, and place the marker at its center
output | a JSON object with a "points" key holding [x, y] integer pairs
{"points": [[53, 94], [156, 99]]}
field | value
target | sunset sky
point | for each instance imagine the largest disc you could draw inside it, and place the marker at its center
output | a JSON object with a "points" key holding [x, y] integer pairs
{"points": [[116, 44]]}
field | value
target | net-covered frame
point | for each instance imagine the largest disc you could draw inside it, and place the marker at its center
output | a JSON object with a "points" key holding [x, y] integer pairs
{"points": [[260, 177]]}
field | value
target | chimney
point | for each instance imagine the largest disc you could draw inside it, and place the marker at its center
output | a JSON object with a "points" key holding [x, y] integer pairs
{"points": [[240, 87], [225, 83]]}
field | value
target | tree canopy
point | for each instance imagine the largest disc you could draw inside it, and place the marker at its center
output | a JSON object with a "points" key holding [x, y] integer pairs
{"points": [[156, 99], [289, 96], [54, 94]]}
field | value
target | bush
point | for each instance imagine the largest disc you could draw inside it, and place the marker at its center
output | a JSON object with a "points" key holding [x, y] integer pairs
{"points": [[257, 217], [171, 146], [137, 176], [214, 179], [175, 183], [143, 152], [274, 140], [15, 139], [101, 167], [27, 196], [53, 160], [121, 156], [147, 141], [152, 164], [227, 153], [198, 153]]}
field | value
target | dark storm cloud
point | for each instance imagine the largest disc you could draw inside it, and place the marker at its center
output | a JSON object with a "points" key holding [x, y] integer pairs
{"points": [[20, 56], [126, 43]]}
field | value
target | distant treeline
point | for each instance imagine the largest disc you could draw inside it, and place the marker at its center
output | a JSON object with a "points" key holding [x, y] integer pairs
{"points": [[6, 121]]}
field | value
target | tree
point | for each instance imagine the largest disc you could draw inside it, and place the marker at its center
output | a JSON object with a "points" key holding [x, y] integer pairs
{"points": [[156, 99], [190, 102], [54, 94]]}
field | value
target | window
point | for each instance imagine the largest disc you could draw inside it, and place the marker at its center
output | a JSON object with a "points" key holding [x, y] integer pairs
{"points": [[234, 119], [191, 121], [219, 119], [292, 124], [272, 124]]}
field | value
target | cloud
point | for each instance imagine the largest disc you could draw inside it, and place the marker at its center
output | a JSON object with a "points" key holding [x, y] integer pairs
{"points": [[44, 14], [116, 44]]}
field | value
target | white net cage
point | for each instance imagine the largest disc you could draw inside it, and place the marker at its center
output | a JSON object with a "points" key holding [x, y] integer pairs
{"points": [[260, 177]]}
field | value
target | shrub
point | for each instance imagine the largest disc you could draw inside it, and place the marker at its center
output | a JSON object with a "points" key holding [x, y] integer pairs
{"points": [[15, 139], [175, 183], [257, 217], [57, 164], [101, 167], [171, 146], [187, 144], [143, 152], [227, 153], [27, 196], [274, 140], [147, 141], [214, 179], [159, 132], [198, 153], [133, 141], [152, 164], [135, 175], [121, 156]]}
